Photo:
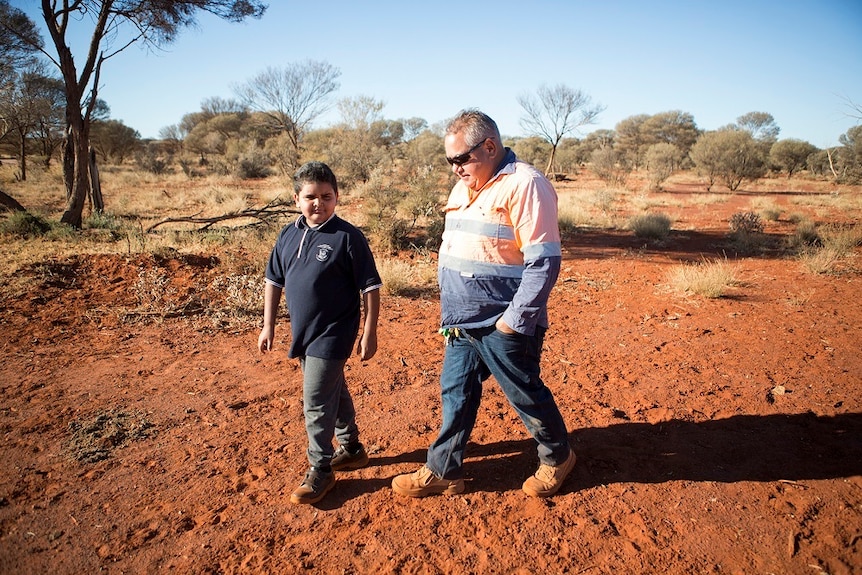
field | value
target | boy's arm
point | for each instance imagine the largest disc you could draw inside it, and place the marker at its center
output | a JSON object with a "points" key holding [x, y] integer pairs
{"points": [[367, 345], [271, 299]]}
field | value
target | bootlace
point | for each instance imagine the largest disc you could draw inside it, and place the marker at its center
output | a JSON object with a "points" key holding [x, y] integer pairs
{"points": [[545, 472]]}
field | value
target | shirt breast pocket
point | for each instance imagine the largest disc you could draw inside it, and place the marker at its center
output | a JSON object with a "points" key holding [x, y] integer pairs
{"points": [[503, 229]]}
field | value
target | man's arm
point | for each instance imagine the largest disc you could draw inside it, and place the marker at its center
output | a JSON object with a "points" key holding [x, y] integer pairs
{"points": [[539, 277], [533, 212]]}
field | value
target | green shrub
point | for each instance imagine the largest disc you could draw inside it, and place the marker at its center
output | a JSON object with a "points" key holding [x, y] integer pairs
{"points": [[25, 225], [653, 226], [746, 223], [102, 221], [806, 234]]}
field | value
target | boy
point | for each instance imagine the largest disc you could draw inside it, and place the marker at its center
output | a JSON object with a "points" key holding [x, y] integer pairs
{"points": [[323, 264]]}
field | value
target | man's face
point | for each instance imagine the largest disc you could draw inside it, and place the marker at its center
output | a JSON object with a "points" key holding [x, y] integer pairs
{"points": [[316, 201], [478, 167]]}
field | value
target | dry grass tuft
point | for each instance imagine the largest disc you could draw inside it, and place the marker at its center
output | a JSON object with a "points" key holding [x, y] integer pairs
{"points": [[709, 278], [402, 277], [825, 249]]}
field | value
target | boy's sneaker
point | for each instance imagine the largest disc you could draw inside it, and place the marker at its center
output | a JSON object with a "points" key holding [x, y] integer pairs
{"points": [[423, 482], [344, 458], [315, 485], [549, 478]]}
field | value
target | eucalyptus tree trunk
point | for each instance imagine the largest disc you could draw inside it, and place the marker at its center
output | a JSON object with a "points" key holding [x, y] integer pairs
{"points": [[76, 169]]}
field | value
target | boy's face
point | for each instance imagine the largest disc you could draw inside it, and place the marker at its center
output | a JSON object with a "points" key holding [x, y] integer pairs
{"points": [[316, 201]]}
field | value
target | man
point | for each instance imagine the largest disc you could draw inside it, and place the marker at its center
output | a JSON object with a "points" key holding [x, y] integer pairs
{"points": [[499, 259]]}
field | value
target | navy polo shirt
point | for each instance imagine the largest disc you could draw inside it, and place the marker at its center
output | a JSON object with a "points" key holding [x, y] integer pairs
{"points": [[323, 272]]}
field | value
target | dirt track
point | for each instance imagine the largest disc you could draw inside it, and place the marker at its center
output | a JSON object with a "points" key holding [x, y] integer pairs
{"points": [[713, 435]]}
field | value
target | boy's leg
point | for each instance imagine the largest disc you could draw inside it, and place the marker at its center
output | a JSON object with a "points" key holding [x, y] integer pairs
{"points": [[350, 453], [346, 430], [322, 382]]}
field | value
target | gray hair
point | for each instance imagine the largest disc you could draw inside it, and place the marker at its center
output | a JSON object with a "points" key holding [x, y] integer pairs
{"points": [[475, 125]]}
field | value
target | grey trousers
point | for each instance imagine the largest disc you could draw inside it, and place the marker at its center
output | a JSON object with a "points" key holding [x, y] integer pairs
{"points": [[328, 408]]}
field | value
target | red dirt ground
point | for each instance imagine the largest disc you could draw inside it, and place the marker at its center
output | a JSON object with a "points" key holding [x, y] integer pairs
{"points": [[713, 435]]}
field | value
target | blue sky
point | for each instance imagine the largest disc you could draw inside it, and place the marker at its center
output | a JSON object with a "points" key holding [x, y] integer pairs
{"points": [[797, 60]]}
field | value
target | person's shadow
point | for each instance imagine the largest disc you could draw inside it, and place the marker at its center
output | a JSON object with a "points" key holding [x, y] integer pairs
{"points": [[740, 448]]}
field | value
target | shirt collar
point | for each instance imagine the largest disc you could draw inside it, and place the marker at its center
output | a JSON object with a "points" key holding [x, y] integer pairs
{"points": [[301, 222], [506, 166]]}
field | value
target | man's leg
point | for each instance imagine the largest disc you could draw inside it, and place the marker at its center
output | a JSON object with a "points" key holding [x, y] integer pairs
{"points": [[514, 362], [461, 392]]}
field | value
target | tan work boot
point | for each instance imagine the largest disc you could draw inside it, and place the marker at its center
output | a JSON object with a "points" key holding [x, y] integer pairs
{"points": [[548, 479], [315, 485], [423, 482]]}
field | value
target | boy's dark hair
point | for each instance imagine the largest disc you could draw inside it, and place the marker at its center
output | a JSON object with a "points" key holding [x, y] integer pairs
{"points": [[314, 173]]}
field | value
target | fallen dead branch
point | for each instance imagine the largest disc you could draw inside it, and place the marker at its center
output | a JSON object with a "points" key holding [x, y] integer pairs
{"points": [[8, 203], [263, 215]]}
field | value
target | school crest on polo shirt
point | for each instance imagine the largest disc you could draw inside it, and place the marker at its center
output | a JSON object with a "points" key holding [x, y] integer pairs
{"points": [[323, 252]]}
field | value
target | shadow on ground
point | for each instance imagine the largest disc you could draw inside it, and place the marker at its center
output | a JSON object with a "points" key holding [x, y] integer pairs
{"points": [[740, 448]]}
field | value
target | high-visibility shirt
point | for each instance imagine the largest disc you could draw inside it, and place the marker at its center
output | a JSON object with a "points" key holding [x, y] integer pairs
{"points": [[501, 253]]}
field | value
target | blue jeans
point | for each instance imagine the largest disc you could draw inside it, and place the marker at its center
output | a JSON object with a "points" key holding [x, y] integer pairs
{"points": [[328, 408], [513, 360]]}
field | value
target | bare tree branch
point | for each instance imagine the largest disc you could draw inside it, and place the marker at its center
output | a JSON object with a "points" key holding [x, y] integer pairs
{"points": [[263, 215], [855, 109], [555, 113]]}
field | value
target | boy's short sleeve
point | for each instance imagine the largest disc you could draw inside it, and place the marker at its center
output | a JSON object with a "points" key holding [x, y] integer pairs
{"points": [[364, 266]]}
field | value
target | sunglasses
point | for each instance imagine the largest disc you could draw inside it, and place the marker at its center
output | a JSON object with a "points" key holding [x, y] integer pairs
{"points": [[462, 159]]}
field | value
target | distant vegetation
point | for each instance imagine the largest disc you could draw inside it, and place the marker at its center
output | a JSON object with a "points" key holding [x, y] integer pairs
{"points": [[220, 177]]}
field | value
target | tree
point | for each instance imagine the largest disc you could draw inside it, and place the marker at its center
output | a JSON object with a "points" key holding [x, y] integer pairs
{"points": [[48, 133], [533, 149], [598, 139], [209, 133], [760, 125], [610, 166], [19, 40], [413, 127], [114, 140], [555, 113], [630, 136], [114, 25], [292, 97], [850, 154], [364, 139], [29, 106], [673, 127], [729, 155], [661, 160], [790, 155], [855, 110]]}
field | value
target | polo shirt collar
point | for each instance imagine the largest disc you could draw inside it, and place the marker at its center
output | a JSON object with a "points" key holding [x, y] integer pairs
{"points": [[507, 164], [301, 222]]}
